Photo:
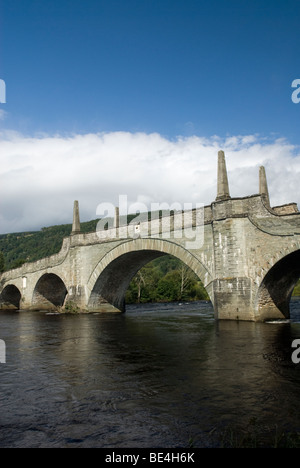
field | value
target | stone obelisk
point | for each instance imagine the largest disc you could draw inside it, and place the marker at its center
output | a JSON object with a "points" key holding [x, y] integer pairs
{"points": [[263, 185], [223, 187], [76, 219]]}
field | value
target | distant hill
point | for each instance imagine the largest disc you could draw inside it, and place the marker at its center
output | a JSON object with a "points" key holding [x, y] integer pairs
{"points": [[22, 247]]}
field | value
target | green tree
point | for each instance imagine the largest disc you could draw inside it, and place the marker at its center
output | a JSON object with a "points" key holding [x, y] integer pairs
{"points": [[165, 279], [2, 262], [188, 279], [296, 291], [139, 280], [168, 288], [198, 292], [143, 286], [18, 263]]}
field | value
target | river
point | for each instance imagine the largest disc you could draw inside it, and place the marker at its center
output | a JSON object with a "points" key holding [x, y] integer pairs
{"points": [[164, 375]]}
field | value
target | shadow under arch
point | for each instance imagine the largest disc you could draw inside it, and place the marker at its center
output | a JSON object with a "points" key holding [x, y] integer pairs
{"points": [[49, 292], [110, 279], [10, 297], [275, 291]]}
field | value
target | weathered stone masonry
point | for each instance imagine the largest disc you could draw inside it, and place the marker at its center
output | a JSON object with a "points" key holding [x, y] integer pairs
{"points": [[249, 260]]}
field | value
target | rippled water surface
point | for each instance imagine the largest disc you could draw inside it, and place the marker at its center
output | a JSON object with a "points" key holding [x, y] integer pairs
{"points": [[157, 376]]}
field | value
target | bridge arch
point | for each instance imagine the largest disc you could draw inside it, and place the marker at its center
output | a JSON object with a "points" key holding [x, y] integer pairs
{"points": [[11, 297], [276, 288], [49, 292], [110, 279]]}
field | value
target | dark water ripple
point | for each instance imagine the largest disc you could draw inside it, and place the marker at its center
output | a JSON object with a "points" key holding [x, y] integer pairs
{"points": [[157, 376]]}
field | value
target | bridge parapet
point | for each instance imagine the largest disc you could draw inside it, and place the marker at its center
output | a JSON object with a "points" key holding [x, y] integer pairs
{"points": [[252, 206]]}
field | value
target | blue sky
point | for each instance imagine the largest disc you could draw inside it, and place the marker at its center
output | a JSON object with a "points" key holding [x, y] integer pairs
{"points": [[169, 66], [213, 72]]}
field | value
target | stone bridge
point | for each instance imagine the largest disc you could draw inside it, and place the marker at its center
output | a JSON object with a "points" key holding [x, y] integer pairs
{"points": [[246, 253]]}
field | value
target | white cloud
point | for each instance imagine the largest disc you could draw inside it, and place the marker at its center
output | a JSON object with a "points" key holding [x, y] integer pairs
{"points": [[3, 114], [42, 176]]}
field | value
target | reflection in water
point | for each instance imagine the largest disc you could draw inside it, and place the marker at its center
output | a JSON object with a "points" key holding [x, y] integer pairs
{"points": [[157, 376]]}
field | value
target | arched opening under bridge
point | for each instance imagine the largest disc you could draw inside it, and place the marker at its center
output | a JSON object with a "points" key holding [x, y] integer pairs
{"points": [[165, 279], [114, 273], [295, 303], [10, 297], [50, 292], [276, 290]]}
